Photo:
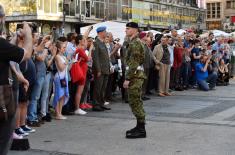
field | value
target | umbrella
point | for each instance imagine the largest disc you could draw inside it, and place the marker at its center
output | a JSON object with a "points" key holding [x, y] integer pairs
{"points": [[204, 35], [232, 34], [154, 32], [181, 31], [218, 33]]}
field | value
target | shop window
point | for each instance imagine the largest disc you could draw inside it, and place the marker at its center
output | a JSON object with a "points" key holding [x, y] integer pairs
{"points": [[77, 6], [53, 6], [112, 11], [98, 9], [40, 4], [218, 14], [47, 6], [228, 4], [124, 2], [72, 8], [233, 4]]}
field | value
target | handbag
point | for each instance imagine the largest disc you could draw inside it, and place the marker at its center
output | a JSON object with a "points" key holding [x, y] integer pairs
{"points": [[7, 102], [76, 72], [63, 81]]}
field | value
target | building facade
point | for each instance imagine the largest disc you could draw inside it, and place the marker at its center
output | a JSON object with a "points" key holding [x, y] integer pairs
{"points": [[220, 15], [156, 14]]}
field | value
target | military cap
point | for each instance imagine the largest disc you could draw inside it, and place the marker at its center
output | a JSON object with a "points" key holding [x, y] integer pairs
{"points": [[101, 29], [132, 25]]}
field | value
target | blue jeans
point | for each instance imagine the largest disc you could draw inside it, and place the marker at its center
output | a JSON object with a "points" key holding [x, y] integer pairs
{"points": [[36, 93], [193, 79], [45, 93], [186, 72], [203, 84]]}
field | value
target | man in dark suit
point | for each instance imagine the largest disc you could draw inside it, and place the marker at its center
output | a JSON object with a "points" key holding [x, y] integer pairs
{"points": [[101, 69]]}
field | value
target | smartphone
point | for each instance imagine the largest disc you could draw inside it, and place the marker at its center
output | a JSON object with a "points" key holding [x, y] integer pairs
{"points": [[33, 26]]}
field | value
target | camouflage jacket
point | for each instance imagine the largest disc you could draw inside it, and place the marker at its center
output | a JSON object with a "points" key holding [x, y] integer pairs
{"points": [[135, 57]]}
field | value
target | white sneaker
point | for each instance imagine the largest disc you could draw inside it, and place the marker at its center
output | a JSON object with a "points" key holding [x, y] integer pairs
{"points": [[61, 117], [21, 132], [106, 103], [15, 136], [80, 112]]}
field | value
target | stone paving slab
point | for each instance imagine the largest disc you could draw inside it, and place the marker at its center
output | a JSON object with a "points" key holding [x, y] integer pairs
{"points": [[105, 136], [176, 125]]}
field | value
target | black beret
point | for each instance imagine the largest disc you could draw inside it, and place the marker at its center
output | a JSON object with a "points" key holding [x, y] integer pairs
{"points": [[132, 25]]}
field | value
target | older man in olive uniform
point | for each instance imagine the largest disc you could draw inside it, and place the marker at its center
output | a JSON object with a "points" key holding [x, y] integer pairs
{"points": [[101, 69], [134, 80]]}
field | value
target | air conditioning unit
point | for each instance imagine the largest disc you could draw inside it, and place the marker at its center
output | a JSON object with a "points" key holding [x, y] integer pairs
{"points": [[81, 17]]}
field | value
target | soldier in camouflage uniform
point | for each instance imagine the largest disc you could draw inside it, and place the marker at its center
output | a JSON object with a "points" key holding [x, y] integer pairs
{"points": [[134, 80]]}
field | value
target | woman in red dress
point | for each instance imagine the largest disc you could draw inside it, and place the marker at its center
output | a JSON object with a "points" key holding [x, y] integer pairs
{"points": [[82, 59], [178, 59]]}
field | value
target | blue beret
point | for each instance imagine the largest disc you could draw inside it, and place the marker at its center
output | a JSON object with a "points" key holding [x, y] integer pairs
{"points": [[101, 29]]}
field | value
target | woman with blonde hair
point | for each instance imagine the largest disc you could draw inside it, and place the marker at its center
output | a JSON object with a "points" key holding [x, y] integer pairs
{"points": [[61, 94]]}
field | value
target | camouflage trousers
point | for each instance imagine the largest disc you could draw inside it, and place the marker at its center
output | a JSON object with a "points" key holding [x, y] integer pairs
{"points": [[135, 101]]}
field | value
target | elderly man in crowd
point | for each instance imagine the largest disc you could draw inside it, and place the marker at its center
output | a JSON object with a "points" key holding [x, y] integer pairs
{"points": [[163, 64], [101, 69]]}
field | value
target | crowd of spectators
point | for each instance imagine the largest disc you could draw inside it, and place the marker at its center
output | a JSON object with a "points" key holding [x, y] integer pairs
{"points": [[70, 75]]}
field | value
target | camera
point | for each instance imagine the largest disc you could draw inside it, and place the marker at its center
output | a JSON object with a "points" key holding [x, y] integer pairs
{"points": [[117, 40], [33, 26], [192, 41]]}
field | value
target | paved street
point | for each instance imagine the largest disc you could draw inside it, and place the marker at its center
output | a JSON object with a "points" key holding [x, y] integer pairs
{"points": [[189, 123]]}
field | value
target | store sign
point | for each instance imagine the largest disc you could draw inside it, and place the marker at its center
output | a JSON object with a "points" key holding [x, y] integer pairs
{"points": [[150, 22], [164, 14], [141, 10], [139, 5]]}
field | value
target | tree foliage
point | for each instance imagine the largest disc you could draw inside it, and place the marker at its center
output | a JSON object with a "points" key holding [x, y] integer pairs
{"points": [[19, 7]]}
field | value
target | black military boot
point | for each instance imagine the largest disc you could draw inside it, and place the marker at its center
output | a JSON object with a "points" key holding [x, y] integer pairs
{"points": [[132, 130], [137, 132]]}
